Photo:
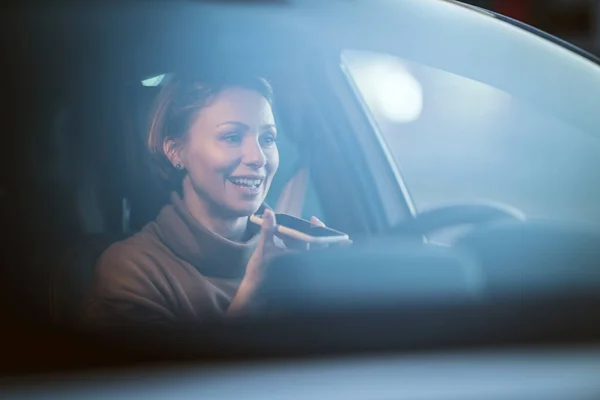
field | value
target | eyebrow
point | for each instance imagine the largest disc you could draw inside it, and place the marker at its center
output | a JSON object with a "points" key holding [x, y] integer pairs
{"points": [[242, 125]]}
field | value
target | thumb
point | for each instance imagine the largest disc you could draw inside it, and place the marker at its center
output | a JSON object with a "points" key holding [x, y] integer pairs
{"points": [[267, 228]]}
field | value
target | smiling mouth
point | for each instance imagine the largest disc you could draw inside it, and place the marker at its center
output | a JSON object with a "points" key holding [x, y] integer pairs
{"points": [[250, 183]]}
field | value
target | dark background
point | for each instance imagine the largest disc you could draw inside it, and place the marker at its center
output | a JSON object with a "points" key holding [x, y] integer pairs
{"points": [[577, 21]]}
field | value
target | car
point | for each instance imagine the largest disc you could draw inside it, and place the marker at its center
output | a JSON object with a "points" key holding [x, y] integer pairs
{"points": [[456, 147]]}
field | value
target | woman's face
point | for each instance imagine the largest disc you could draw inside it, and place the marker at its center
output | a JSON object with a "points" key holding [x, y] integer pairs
{"points": [[230, 153]]}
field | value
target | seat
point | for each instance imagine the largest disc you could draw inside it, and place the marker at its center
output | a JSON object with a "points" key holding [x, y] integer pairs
{"points": [[116, 193]]}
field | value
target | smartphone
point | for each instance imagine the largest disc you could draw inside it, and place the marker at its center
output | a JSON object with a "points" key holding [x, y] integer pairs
{"points": [[305, 231]]}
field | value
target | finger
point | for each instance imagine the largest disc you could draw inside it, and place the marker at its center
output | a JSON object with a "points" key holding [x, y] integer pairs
{"points": [[267, 228], [269, 218], [316, 221]]}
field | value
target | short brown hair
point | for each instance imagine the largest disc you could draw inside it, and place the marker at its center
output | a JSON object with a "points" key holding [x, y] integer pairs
{"points": [[177, 104]]}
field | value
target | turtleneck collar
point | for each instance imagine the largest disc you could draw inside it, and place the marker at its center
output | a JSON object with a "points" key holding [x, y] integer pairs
{"points": [[212, 254]]}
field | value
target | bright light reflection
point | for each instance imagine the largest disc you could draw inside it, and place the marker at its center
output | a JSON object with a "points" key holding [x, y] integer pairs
{"points": [[154, 81], [399, 96], [389, 89]]}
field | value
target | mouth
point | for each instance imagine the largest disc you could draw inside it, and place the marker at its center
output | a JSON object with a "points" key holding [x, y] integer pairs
{"points": [[247, 182]]}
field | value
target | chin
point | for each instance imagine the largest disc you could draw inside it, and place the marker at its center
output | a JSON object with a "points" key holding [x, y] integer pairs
{"points": [[245, 210]]}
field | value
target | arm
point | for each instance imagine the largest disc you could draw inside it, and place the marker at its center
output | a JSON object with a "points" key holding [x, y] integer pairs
{"points": [[124, 292]]}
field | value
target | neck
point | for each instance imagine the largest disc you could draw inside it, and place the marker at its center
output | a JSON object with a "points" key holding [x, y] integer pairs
{"points": [[211, 218]]}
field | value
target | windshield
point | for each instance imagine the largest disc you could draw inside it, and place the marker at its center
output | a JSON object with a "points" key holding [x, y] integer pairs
{"points": [[456, 139], [140, 195]]}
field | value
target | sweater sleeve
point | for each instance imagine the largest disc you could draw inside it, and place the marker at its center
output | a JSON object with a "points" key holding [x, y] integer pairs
{"points": [[127, 290]]}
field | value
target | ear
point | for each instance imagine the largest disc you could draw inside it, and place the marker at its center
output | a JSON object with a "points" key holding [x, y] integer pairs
{"points": [[172, 150]]}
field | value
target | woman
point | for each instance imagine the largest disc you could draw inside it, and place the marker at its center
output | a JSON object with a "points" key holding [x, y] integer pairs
{"points": [[215, 142]]}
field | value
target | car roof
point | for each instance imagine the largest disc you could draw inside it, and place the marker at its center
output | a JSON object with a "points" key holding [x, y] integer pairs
{"points": [[142, 31], [136, 41]]}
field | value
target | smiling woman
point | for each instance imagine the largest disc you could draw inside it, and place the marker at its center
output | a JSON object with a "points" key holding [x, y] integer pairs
{"points": [[213, 140]]}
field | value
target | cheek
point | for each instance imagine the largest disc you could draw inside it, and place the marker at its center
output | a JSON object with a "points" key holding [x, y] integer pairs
{"points": [[272, 160], [204, 157]]}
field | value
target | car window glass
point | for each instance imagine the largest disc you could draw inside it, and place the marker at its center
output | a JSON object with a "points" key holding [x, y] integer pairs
{"points": [[458, 140]]}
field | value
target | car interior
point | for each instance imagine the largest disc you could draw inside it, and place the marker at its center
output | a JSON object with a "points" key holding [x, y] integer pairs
{"points": [[92, 183], [88, 180], [77, 177], [91, 175]]}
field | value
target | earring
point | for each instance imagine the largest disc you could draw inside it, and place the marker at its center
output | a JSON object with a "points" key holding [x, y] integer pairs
{"points": [[178, 166]]}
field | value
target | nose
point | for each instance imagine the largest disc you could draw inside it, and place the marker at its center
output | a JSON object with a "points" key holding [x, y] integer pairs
{"points": [[254, 155]]}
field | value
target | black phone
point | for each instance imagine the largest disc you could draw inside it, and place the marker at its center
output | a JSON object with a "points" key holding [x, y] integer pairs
{"points": [[303, 230]]}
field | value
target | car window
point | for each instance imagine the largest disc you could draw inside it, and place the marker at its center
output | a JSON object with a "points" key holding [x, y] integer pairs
{"points": [[456, 140]]}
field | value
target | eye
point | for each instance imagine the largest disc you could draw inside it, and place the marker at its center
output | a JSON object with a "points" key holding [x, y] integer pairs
{"points": [[232, 138], [268, 139]]}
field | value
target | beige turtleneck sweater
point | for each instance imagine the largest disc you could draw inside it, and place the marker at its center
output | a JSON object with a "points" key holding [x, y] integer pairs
{"points": [[173, 271]]}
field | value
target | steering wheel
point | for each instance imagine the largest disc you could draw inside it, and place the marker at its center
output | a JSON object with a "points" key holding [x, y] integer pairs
{"points": [[458, 214]]}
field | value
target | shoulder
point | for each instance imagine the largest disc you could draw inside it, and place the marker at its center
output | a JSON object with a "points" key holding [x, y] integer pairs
{"points": [[131, 263], [129, 251], [129, 283]]}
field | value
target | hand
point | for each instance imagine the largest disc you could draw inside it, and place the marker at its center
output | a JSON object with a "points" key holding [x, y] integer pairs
{"points": [[265, 250], [269, 245]]}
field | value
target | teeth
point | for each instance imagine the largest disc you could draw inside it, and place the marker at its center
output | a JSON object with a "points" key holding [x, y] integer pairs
{"points": [[252, 183]]}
